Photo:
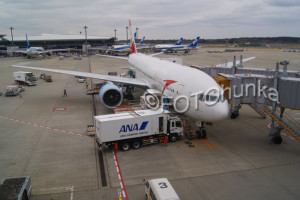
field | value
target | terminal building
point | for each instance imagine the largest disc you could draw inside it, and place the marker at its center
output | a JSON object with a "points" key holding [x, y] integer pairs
{"points": [[55, 41]]}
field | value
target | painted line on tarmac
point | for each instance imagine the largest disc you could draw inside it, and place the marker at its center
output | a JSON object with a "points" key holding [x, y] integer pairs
{"points": [[43, 126], [292, 138], [71, 188], [122, 185]]}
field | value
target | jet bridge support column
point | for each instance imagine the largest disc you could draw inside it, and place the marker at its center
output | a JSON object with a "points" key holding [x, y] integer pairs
{"points": [[275, 130]]}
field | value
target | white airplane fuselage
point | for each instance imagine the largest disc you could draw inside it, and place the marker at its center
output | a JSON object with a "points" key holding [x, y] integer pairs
{"points": [[35, 50], [185, 80]]}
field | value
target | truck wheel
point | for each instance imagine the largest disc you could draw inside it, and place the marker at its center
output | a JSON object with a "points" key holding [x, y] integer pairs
{"points": [[125, 146], [173, 138], [136, 145]]}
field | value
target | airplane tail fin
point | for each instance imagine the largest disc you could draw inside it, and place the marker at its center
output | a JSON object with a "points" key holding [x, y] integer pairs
{"points": [[134, 36], [179, 42], [27, 42], [142, 41], [132, 47], [195, 42]]}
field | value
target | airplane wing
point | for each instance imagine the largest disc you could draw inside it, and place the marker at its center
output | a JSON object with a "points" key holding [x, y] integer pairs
{"points": [[59, 50], [230, 64], [116, 79], [119, 57]]}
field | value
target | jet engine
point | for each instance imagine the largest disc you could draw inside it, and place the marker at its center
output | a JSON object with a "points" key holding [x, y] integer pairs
{"points": [[110, 95]]}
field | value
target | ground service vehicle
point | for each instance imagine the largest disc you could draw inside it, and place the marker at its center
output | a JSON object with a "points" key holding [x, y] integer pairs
{"points": [[24, 78], [12, 90], [18, 188], [160, 189], [137, 128]]}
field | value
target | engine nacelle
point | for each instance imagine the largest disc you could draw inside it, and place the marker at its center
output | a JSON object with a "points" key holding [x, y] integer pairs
{"points": [[110, 95]]}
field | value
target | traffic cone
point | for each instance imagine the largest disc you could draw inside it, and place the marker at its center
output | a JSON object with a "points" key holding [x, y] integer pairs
{"points": [[20, 96]]}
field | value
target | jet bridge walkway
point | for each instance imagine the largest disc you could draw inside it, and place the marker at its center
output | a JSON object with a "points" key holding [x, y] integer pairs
{"points": [[261, 89]]}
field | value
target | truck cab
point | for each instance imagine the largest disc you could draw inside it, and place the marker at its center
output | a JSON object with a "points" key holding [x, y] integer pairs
{"points": [[160, 189], [172, 125]]}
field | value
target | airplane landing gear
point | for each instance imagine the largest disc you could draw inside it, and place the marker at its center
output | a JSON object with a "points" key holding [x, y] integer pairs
{"points": [[201, 133], [275, 135], [235, 111]]}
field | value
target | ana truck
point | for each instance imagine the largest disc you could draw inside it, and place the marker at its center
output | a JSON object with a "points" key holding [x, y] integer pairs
{"points": [[24, 78], [137, 128]]}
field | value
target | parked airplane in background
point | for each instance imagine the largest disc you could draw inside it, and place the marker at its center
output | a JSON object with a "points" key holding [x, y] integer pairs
{"points": [[168, 78], [174, 48], [38, 52], [166, 46], [125, 48], [34, 51]]}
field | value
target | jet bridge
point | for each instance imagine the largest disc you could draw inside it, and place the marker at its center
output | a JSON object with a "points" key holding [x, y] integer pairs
{"points": [[264, 90]]}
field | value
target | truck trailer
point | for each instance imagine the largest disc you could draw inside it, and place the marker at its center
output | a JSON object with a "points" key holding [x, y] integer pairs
{"points": [[24, 78], [18, 188], [137, 128]]}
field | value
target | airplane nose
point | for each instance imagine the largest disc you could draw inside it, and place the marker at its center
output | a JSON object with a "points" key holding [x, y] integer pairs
{"points": [[222, 111]]}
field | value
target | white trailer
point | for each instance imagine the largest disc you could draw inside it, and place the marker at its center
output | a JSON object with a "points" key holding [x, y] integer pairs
{"points": [[136, 128], [24, 78]]}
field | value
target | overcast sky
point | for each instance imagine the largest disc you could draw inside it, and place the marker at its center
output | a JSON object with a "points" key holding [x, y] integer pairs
{"points": [[165, 19]]}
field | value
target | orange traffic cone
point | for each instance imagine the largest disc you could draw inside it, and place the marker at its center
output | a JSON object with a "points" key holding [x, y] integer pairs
{"points": [[20, 96]]}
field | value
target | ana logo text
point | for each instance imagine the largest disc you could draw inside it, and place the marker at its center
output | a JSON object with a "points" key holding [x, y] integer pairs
{"points": [[133, 127]]}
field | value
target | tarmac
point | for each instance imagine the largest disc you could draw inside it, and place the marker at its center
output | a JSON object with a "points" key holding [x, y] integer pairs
{"points": [[43, 135]]}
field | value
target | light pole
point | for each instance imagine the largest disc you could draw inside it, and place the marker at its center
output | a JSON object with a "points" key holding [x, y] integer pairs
{"points": [[137, 29], [80, 32], [85, 27], [115, 33], [127, 34], [12, 36]]}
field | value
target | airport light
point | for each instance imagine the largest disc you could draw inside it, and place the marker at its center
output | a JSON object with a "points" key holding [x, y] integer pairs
{"points": [[12, 36], [127, 34], [115, 33], [137, 29], [85, 27]]}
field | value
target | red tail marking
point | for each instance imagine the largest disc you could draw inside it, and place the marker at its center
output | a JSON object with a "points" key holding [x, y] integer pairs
{"points": [[132, 48], [168, 82]]}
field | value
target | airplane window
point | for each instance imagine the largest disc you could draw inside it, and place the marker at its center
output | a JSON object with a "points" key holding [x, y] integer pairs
{"points": [[201, 97], [207, 97], [213, 98]]}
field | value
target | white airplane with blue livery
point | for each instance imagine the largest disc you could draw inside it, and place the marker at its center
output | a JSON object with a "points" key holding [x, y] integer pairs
{"points": [[176, 47]]}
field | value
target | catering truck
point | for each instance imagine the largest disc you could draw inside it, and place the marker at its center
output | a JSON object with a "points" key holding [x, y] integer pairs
{"points": [[24, 78], [137, 128]]}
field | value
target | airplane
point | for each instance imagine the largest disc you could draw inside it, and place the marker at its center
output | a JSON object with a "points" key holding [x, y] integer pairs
{"points": [[33, 51], [175, 48], [37, 52], [126, 47], [170, 79], [167, 46]]}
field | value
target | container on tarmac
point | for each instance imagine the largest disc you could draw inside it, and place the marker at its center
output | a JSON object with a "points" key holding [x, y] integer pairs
{"points": [[24, 78], [137, 128], [18, 188]]}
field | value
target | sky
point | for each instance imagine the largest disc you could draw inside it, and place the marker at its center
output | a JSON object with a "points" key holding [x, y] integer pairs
{"points": [[156, 19]]}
